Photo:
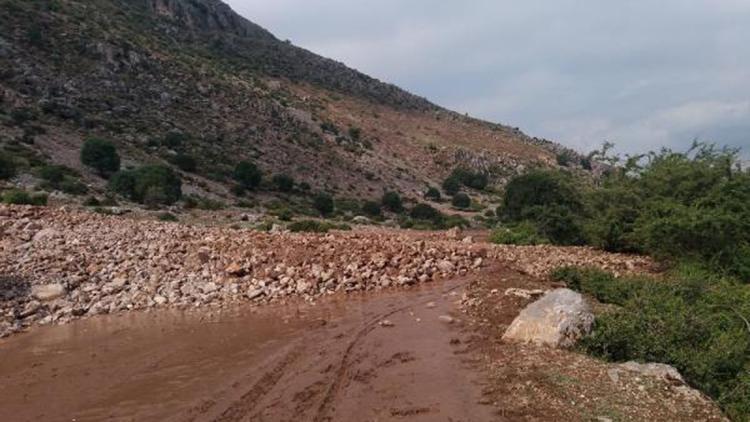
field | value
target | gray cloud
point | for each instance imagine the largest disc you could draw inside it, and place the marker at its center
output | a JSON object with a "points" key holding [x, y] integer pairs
{"points": [[641, 73]]}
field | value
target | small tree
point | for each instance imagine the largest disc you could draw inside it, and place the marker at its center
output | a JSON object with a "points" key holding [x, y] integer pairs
{"points": [[150, 185], [425, 212], [7, 167], [283, 182], [392, 202], [247, 175], [433, 194], [100, 155], [461, 200], [185, 162], [323, 202], [372, 209], [452, 185]]}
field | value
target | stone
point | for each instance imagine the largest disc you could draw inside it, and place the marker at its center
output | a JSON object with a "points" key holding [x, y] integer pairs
{"points": [[523, 293], [160, 300], [654, 370], [47, 292], [360, 219], [386, 323], [255, 293], [235, 269], [446, 266], [559, 319], [446, 319]]}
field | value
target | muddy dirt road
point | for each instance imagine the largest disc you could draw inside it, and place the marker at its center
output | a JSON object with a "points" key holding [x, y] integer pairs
{"points": [[394, 356]]}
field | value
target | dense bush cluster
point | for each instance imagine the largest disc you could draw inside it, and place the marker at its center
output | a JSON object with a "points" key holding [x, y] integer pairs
{"points": [[21, 197], [101, 156], [694, 320], [691, 206], [392, 202], [464, 177], [248, 175], [7, 166], [151, 185]]}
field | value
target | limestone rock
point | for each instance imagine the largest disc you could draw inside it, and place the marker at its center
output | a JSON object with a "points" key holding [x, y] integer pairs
{"points": [[558, 319], [47, 292]]}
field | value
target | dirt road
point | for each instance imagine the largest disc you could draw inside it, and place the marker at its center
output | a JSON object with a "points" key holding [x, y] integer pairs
{"points": [[375, 358]]}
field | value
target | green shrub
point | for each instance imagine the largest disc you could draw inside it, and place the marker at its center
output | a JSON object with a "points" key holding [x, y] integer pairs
{"points": [[165, 216], [551, 201], [247, 175], [151, 185], [202, 203], [283, 182], [100, 155], [372, 209], [392, 202], [461, 200], [323, 203], [452, 185], [693, 320], [174, 139], [184, 162], [91, 201], [524, 233], [312, 226], [465, 177], [432, 194], [7, 166], [426, 212], [20, 197]]}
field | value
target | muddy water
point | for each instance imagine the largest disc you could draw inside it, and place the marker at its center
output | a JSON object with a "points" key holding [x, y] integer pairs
{"points": [[332, 361]]}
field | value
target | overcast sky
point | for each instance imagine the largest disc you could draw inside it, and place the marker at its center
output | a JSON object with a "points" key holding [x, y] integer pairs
{"points": [[640, 73]]}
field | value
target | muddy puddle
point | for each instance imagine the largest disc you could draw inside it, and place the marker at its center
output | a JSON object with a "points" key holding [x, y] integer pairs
{"points": [[155, 365]]}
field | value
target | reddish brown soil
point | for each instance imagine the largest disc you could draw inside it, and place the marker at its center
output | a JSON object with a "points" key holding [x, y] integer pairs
{"points": [[364, 357]]}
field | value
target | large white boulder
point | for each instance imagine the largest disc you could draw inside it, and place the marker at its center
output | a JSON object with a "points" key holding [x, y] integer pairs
{"points": [[559, 319]]}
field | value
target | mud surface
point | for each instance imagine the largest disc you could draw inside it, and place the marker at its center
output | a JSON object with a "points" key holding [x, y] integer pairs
{"points": [[365, 358]]}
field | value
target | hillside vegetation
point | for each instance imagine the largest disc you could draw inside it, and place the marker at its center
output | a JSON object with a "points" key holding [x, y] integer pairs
{"points": [[691, 211]]}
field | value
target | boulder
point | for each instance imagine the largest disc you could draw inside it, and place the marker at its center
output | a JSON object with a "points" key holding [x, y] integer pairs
{"points": [[360, 219], [46, 292], [559, 319]]}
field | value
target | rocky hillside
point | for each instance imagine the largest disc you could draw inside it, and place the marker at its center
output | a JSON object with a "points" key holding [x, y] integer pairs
{"points": [[164, 79]]}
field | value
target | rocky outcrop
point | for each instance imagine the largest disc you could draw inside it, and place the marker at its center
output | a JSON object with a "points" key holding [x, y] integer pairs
{"points": [[559, 319]]}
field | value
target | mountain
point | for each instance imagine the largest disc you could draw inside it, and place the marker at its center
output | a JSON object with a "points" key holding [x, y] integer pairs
{"points": [[170, 80]]}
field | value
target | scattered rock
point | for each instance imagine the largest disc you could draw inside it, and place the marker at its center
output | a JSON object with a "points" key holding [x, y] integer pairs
{"points": [[655, 370], [386, 323], [446, 319], [523, 293], [558, 319], [47, 292]]}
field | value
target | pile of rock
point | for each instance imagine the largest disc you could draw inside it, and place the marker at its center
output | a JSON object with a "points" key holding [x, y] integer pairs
{"points": [[58, 265]]}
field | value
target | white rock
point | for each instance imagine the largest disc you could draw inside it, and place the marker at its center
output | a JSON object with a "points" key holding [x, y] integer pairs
{"points": [[47, 292], [558, 319]]}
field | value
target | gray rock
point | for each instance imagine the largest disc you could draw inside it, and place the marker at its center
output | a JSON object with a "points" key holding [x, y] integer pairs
{"points": [[360, 219], [654, 370], [559, 319], [47, 292]]}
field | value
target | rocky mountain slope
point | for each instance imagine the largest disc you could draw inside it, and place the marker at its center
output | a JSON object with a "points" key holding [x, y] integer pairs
{"points": [[191, 78]]}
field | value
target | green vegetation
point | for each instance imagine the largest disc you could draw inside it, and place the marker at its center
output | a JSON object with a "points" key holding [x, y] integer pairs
{"points": [[312, 226], [152, 185], [694, 320], [426, 212], [202, 203], [20, 197], [61, 178], [392, 202], [283, 182], [372, 209], [433, 194], [100, 155], [462, 176], [523, 233], [461, 200], [324, 204], [165, 216], [247, 175], [185, 162], [7, 166]]}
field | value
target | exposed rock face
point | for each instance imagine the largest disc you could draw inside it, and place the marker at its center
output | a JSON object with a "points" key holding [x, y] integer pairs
{"points": [[46, 292], [558, 319]]}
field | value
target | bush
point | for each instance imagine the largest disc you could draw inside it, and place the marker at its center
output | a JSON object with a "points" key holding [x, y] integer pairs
{"points": [[185, 162], [693, 320], [20, 197], [372, 209], [432, 194], [392, 202], [100, 155], [468, 178], [452, 185], [524, 233], [165, 216], [312, 226], [551, 201], [461, 200], [151, 185], [283, 183], [426, 212], [247, 175], [323, 203], [7, 167]]}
